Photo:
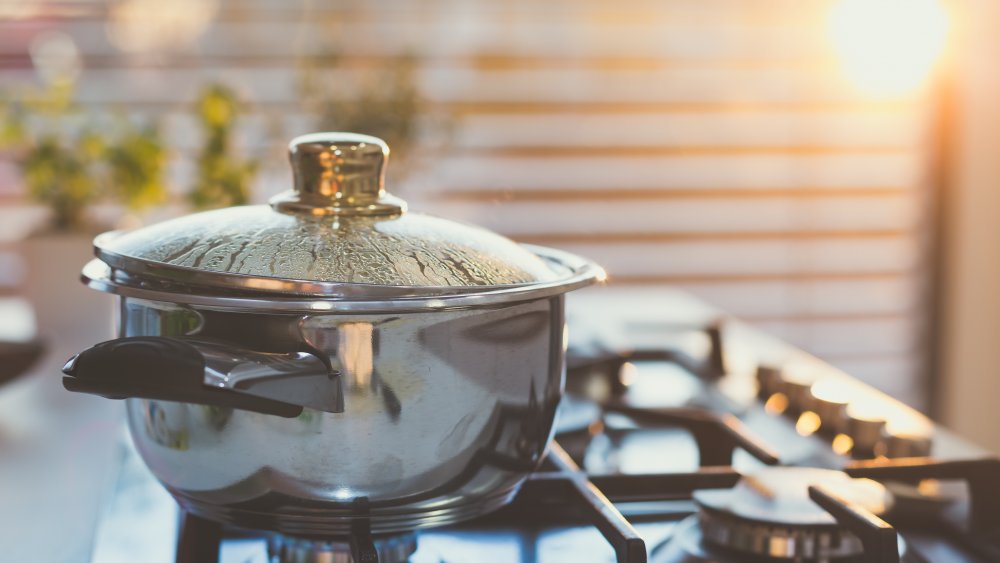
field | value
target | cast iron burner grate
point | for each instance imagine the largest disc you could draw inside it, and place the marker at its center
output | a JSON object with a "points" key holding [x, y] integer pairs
{"points": [[566, 495], [562, 494]]}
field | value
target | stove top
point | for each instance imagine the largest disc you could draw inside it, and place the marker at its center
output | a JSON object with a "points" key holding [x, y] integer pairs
{"points": [[684, 436]]}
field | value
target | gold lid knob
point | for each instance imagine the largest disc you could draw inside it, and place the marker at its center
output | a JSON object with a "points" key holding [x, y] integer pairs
{"points": [[338, 174]]}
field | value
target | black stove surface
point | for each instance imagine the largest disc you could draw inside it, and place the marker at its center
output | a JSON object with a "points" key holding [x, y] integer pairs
{"points": [[655, 412]]}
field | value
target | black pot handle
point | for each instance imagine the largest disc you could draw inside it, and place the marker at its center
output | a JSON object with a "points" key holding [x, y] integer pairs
{"points": [[157, 367]]}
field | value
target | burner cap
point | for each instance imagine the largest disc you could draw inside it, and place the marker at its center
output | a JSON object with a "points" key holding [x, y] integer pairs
{"points": [[769, 513]]}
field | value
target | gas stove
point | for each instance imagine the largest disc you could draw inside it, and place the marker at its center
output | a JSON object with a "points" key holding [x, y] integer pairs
{"points": [[685, 436]]}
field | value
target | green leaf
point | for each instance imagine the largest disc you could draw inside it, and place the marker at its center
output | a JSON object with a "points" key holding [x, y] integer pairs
{"points": [[223, 179]]}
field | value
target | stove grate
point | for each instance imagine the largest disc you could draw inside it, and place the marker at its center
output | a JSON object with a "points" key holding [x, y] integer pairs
{"points": [[564, 494]]}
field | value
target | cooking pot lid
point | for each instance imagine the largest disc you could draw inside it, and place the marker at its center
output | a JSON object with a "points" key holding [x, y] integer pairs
{"points": [[336, 226]]}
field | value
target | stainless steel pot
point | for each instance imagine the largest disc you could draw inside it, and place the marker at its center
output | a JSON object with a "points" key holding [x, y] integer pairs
{"points": [[329, 358]]}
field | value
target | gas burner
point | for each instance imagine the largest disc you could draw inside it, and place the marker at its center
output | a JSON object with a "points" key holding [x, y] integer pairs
{"points": [[390, 549], [601, 374], [769, 515], [200, 541]]}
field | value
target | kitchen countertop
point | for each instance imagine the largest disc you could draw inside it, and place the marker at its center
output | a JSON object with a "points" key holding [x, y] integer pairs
{"points": [[56, 451]]}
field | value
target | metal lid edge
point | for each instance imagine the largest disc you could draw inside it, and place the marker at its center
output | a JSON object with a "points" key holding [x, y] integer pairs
{"points": [[211, 280], [99, 275]]}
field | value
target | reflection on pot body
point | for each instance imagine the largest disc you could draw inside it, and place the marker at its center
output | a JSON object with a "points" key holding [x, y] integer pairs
{"points": [[444, 414], [355, 354]]}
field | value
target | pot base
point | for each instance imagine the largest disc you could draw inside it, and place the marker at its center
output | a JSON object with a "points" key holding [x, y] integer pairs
{"points": [[322, 521], [390, 549]]}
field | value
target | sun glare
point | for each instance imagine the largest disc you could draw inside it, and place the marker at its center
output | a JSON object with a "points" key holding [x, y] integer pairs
{"points": [[888, 47]]}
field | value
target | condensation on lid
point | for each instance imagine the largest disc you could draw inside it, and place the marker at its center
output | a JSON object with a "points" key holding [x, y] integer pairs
{"points": [[408, 249], [337, 225]]}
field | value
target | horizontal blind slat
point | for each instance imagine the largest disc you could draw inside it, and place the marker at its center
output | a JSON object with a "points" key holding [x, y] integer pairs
{"points": [[695, 171], [688, 216], [754, 257]]}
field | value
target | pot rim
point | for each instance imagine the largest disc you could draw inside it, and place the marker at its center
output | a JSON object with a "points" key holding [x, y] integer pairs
{"points": [[109, 275]]}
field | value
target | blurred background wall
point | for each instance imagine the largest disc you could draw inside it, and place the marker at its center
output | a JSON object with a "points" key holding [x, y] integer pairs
{"points": [[778, 158], [968, 377]]}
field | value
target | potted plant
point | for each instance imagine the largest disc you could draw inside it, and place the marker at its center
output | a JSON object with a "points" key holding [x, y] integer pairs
{"points": [[70, 161], [222, 179]]}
